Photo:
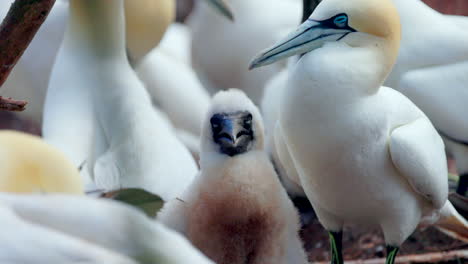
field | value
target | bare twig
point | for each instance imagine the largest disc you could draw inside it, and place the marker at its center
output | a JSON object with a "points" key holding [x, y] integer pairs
{"points": [[19, 27], [12, 105], [422, 258]]}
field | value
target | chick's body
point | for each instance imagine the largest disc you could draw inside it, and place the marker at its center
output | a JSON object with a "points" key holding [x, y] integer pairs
{"points": [[231, 227]]}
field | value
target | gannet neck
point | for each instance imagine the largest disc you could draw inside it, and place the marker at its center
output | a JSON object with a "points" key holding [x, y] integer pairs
{"points": [[336, 74], [97, 26]]}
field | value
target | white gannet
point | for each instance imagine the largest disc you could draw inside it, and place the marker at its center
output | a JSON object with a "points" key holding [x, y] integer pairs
{"points": [[175, 89], [31, 165], [89, 227], [221, 49], [156, 68], [106, 118], [236, 210], [146, 23], [364, 153], [27, 243], [431, 71], [270, 106]]}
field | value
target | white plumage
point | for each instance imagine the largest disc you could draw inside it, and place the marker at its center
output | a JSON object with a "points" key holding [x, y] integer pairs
{"points": [[236, 209], [72, 228], [98, 111], [431, 70], [222, 49], [364, 153]]}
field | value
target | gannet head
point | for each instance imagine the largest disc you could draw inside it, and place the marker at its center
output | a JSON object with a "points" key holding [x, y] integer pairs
{"points": [[146, 21], [31, 165], [233, 125], [358, 23]]}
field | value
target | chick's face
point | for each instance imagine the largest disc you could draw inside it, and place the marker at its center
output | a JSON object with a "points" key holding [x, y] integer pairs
{"points": [[233, 132]]}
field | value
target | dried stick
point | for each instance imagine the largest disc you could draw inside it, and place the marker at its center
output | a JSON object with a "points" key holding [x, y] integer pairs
{"points": [[438, 257], [18, 28]]}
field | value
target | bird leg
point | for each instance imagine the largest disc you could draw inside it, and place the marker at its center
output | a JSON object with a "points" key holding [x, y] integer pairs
{"points": [[336, 241], [391, 254], [462, 184]]}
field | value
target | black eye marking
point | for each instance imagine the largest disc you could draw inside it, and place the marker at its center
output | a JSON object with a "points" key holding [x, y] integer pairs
{"points": [[233, 132], [216, 121], [248, 121], [339, 21]]}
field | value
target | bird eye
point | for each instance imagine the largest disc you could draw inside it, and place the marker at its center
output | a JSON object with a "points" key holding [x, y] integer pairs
{"points": [[341, 21], [215, 121], [248, 120]]}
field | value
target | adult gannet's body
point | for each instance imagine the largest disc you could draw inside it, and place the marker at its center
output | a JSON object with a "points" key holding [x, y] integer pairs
{"points": [[28, 243], [221, 49], [431, 70], [68, 228], [30, 165], [236, 210], [364, 153], [106, 118]]}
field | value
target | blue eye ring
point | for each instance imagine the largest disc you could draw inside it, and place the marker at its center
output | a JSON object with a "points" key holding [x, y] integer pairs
{"points": [[341, 20]]}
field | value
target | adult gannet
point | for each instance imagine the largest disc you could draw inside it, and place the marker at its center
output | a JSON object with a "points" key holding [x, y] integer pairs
{"points": [[431, 70], [30, 165], [146, 24], [24, 242], [364, 153], [83, 227], [158, 84], [106, 117], [236, 210], [221, 49]]}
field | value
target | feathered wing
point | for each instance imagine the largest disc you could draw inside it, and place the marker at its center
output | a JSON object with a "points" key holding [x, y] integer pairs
{"points": [[285, 165], [111, 225], [441, 92], [417, 151], [51, 245]]}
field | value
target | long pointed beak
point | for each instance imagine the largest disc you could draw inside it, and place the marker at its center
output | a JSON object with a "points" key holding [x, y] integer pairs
{"points": [[309, 36], [222, 7]]}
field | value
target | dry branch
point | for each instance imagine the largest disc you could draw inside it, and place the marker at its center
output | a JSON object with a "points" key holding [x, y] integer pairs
{"points": [[438, 257], [18, 28]]}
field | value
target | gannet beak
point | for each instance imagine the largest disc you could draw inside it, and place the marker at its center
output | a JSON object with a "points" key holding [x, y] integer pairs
{"points": [[309, 36], [233, 132], [222, 7]]}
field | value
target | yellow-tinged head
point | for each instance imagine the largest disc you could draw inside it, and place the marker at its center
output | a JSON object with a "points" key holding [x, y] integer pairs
{"points": [[359, 23], [28, 164], [146, 21]]}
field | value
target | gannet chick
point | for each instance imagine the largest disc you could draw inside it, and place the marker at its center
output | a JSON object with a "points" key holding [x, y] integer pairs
{"points": [[365, 154], [31, 165], [431, 71], [236, 211]]}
